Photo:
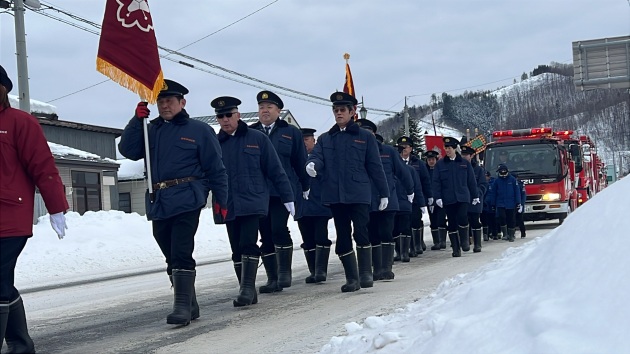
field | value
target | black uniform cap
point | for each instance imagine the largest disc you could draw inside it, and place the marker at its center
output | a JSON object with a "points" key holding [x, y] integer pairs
{"points": [[468, 150], [449, 141], [172, 88], [342, 99], [366, 124], [4, 80], [502, 167], [404, 140], [268, 96], [431, 153], [379, 138], [308, 131], [224, 104]]}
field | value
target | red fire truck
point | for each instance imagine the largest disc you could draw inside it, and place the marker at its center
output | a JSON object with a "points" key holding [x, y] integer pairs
{"points": [[543, 160]]}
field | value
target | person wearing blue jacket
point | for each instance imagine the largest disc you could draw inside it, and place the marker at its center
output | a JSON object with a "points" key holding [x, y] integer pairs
{"points": [[381, 222], [454, 188], [312, 218], [251, 161], [405, 147], [402, 226], [519, 212], [347, 158], [276, 242], [437, 216], [474, 211], [488, 218], [185, 160], [506, 199]]}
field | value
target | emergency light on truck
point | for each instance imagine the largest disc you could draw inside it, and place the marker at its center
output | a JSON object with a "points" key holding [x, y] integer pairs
{"points": [[521, 132]]}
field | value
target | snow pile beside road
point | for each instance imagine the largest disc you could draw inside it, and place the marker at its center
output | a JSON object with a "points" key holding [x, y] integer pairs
{"points": [[562, 293]]}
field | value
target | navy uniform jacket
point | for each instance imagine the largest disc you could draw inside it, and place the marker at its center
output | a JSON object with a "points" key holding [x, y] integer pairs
{"points": [[346, 161], [454, 181], [289, 145], [505, 193], [178, 148], [482, 187], [487, 204], [418, 198], [397, 174], [251, 161], [313, 206], [425, 179]]}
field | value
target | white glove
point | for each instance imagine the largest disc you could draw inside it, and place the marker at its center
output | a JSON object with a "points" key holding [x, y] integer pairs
{"points": [[310, 169], [383, 204], [290, 208], [410, 197], [430, 201], [476, 201], [439, 203], [424, 210], [305, 194], [58, 222], [520, 209]]}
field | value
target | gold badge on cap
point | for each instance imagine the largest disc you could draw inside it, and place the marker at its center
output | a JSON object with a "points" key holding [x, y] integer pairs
{"points": [[264, 96], [221, 103], [339, 97], [164, 86], [447, 140], [404, 139]]}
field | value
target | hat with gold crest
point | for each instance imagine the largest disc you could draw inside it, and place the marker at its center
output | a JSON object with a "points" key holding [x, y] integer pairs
{"points": [[404, 140], [172, 88], [224, 104], [450, 141], [366, 124], [268, 96], [343, 99]]}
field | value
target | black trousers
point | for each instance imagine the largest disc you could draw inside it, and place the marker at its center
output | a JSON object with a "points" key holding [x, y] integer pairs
{"points": [[474, 220], [489, 220], [437, 217], [457, 215], [506, 217], [314, 230], [402, 224], [176, 238], [381, 226], [349, 217], [416, 217], [273, 228], [519, 221], [10, 249], [243, 236]]}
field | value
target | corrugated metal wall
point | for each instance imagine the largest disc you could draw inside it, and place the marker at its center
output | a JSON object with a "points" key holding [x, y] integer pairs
{"points": [[101, 144]]}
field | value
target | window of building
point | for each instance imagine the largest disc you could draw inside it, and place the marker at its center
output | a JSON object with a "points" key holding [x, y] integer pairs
{"points": [[86, 191], [124, 202]]}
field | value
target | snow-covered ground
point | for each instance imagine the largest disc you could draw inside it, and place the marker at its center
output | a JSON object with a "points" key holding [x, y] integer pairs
{"points": [[562, 293]]}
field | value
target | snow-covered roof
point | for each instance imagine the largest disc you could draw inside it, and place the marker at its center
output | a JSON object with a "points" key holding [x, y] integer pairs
{"points": [[130, 170], [67, 153], [36, 106]]}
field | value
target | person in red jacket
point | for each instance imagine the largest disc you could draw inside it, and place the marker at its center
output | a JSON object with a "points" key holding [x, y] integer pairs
{"points": [[25, 163]]}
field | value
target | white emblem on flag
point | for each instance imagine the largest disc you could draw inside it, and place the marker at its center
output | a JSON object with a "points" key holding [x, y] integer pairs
{"points": [[126, 10]]}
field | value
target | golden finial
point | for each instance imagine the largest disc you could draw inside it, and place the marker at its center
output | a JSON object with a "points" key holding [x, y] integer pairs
{"points": [[346, 56]]}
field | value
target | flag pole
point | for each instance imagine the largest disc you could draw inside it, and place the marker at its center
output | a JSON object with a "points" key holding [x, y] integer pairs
{"points": [[147, 157]]}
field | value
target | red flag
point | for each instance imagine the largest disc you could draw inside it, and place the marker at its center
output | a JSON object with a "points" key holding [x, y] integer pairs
{"points": [[348, 86], [435, 143], [127, 51]]}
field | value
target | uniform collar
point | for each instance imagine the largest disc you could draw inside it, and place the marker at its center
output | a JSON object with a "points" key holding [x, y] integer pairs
{"points": [[241, 130], [351, 128], [180, 119]]}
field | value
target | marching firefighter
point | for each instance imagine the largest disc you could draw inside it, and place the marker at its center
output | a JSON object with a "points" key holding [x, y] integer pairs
{"points": [[519, 212], [474, 211], [437, 216], [381, 224], [402, 225], [488, 218], [455, 188], [276, 242], [251, 161], [348, 159], [185, 164], [313, 223], [405, 147], [505, 198]]}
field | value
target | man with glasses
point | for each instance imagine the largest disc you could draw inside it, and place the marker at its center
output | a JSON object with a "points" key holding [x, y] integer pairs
{"points": [[276, 242], [185, 164], [251, 161], [347, 157]]}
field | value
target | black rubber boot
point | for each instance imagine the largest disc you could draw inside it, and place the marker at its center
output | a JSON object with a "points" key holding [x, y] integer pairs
{"points": [[463, 238], [194, 307], [377, 262], [397, 248], [442, 232], [412, 247], [285, 257], [388, 260], [511, 233], [522, 233], [321, 262], [476, 240], [310, 262], [486, 236], [504, 231], [238, 269], [435, 235], [416, 235], [183, 287], [4, 317], [271, 267], [349, 262], [454, 237], [247, 290], [422, 244], [364, 258], [16, 332], [405, 242]]}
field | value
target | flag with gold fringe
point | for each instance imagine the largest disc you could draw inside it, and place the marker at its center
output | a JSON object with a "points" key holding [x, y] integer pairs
{"points": [[348, 86], [127, 51]]}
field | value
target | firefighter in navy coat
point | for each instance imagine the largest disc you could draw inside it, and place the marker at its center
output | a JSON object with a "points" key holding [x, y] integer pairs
{"points": [[347, 158], [474, 211]]}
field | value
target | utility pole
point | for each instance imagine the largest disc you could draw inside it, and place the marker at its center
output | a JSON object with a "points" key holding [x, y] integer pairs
{"points": [[20, 46], [406, 115], [433, 121]]}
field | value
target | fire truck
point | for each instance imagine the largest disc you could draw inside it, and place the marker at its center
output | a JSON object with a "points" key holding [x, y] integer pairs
{"points": [[542, 159], [587, 179]]}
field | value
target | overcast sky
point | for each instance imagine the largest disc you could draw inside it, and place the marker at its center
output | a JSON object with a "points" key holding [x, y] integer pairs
{"points": [[398, 48]]}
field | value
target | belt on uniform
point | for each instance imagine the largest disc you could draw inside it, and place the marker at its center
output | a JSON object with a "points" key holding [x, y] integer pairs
{"points": [[172, 182]]}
